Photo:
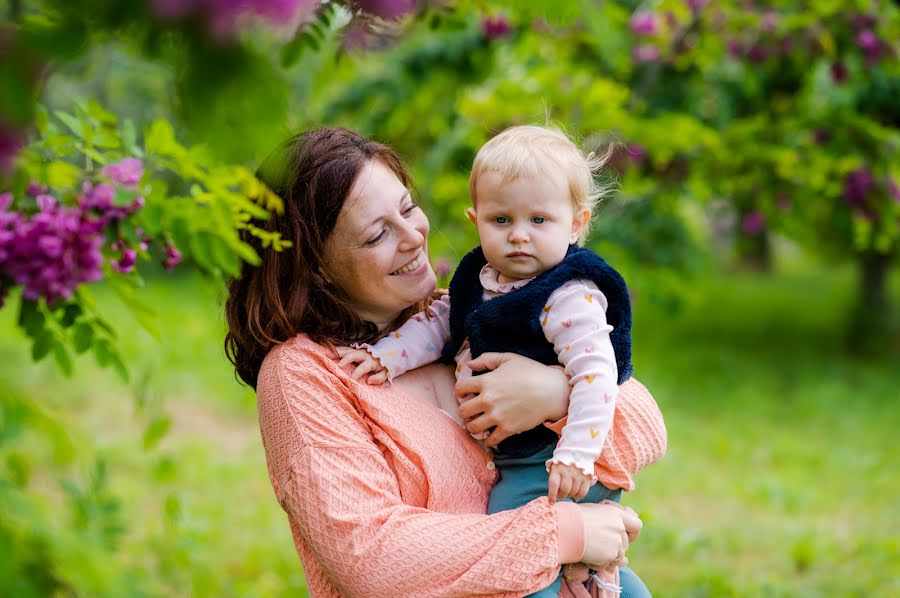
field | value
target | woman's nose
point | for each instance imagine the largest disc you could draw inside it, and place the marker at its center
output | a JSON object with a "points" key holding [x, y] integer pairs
{"points": [[411, 235]]}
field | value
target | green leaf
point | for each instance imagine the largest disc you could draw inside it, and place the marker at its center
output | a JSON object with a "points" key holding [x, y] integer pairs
{"points": [[31, 318], [82, 337], [62, 175], [172, 508], [123, 197], [156, 429], [160, 139], [75, 125], [62, 358], [43, 341], [70, 314], [129, 139]]}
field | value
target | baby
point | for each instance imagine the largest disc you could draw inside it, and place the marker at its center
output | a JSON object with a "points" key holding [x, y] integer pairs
{"points": [[529, 289]]}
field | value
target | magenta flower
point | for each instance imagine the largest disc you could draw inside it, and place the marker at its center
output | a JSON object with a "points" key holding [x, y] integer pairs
{"points": [[126, 173], [495, 27], [645, 53], [857, 186], [770, 21], [52, 252], [386, 9], [173, 257], [125, 264], [644, 23], [839, 72], [753, 222]]}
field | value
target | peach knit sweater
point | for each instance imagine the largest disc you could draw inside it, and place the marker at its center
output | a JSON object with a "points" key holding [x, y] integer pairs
{"points": [[386, 494]]}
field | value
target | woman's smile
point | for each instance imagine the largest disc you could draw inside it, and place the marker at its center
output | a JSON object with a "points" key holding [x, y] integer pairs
{"points": [[413, 267]]}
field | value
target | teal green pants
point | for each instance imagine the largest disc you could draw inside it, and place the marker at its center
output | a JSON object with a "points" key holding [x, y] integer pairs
{"points": [[522, 479]]}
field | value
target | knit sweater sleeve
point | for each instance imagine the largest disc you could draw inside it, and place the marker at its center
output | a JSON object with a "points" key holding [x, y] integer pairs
{"points": [[339, 490]]}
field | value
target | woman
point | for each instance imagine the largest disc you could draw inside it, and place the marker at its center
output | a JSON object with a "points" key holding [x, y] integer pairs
{"points": [[385, 493]]}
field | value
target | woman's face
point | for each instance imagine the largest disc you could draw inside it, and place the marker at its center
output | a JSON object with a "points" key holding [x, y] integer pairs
{"points": [[378, 251]]}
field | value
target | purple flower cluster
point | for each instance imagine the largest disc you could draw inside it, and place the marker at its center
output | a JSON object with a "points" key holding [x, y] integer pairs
{"points": [[857, 186], [222, 15], [51, 252], [753, 222], [386, 9], [173, 257], [644, 23], [126, 173], [99, 200], [495, 27]]}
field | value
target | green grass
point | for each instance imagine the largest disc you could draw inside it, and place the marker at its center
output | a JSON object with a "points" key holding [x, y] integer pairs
{"points": [[780, 478]]}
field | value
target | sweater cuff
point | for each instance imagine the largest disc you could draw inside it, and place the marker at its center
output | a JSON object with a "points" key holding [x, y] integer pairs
{"points": [[570, 527]]}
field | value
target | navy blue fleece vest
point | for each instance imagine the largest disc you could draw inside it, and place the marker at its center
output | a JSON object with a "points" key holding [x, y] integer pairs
{"points": [[512, 322]]}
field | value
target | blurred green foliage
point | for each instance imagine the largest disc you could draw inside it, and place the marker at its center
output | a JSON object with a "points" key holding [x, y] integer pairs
{"points": [[745, 130]]}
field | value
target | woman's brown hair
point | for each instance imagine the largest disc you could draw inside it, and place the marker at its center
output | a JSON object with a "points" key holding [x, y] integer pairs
{"points": [[287, 294]]}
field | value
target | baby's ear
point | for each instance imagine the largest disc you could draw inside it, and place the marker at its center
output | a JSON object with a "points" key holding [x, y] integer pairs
{"points": [[580, 220], [470, 212]]}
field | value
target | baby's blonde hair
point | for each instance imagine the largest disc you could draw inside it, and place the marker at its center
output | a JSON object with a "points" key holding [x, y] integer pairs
{"points": [[531, 151]]}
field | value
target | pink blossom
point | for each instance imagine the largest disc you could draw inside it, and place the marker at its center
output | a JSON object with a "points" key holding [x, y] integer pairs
{"points": [[645, 53], [173, 257], [753, 222], [126, 173], [495, 27], [644, 23]]}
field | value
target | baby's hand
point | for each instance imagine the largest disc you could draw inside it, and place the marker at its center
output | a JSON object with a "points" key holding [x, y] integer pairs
{"points": [[367, 364], [568, 481]]}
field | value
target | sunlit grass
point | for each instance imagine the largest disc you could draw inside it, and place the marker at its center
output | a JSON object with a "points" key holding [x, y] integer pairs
{"points": [[780, 478]]}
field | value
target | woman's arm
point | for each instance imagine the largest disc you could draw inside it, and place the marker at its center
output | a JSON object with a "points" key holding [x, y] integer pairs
{"points": [[514, 395], [344, 497]]}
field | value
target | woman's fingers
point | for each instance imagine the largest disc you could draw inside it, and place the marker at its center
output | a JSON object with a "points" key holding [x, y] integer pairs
{"points": [[472, 407], [480, 424], [488, 361]]}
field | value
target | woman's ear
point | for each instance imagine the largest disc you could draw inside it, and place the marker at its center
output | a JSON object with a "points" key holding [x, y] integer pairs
{"points": [[580, 220], [473, 216]]}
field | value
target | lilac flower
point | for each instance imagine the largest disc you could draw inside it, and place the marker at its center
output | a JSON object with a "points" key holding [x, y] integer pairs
{"points": [[34, 189], [495, 27], [839, 72], [857, 186], [645, 53], [864, 21], [51, 252], [99, 200], [386, 9], [757, 53], [867, 40], [644, 23], [222, 16], [769, 21], [126, 173], [125, 264], [753, 222], [173, 257], [735, 48]]}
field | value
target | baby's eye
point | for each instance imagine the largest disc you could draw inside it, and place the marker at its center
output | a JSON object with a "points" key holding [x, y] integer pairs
{"points": [[501, 220], [538, 219]]}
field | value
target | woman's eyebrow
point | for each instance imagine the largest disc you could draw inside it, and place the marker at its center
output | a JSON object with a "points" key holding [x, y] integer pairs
{"points": [[406, 193]]}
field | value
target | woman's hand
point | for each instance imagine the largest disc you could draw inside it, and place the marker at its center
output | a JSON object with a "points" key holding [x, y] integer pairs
{"points": [[608, 529], [517, 394]]}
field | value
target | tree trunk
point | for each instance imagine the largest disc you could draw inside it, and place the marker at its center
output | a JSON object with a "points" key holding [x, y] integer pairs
{"points": [[870, 320]]}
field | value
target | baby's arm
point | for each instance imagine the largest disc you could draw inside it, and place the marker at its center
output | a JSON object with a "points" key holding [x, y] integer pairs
{"points": [[418, 342], [574, 321]]}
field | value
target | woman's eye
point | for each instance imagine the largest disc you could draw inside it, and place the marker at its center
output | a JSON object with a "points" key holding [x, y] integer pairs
{"points": [[410, 208], [374, 240], [538, 219], [501, 220]]}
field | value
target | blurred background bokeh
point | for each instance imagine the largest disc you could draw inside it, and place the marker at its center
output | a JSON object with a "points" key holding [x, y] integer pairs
{"points": [[757, 221]]}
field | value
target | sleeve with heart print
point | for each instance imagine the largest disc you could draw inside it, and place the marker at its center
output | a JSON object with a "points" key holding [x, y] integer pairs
{"points": [[574, 320], [418, 342]]}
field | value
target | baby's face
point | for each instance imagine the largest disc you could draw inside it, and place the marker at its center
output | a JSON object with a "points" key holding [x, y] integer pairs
{"points": [[525, 225]]}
